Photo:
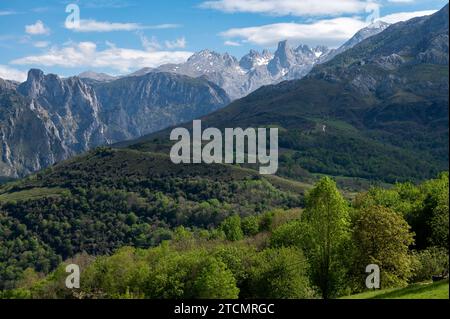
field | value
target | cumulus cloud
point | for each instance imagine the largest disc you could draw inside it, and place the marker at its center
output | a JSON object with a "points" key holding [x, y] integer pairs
{"points": [[87, 55], [177, 44], [8, 73], [38, 28], [232, 43], [106, 26], [404, 16], [288, 7], [330, 32]]}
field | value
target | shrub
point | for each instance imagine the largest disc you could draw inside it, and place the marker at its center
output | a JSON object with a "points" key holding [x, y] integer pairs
{"points": [[430, 262], [250, 225]]}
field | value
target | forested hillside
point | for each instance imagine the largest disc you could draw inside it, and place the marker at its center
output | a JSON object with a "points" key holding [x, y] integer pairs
{"points": [[207, 238], [109, 198], [363, 180]]}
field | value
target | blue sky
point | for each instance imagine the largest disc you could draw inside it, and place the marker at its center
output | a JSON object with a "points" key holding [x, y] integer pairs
{"points": [[121, 36]]}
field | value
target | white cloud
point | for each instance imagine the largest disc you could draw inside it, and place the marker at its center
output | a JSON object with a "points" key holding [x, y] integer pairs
{"points": [[163, 26], [151, 44], [100, 4], [37, 29], [87, 55], [177, 44], [288, 7], [232, 43], [9, 73], [330, 32], [41, 44], [7, 13], [401, 1], [106, 26], [404, 16]]}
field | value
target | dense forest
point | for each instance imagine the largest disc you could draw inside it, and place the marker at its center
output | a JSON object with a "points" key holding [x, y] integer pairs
{"points": [[153, 230]]}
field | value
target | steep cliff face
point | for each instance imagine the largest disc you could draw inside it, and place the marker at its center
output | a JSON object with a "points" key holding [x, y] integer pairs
{"points": [[135, 105], [29, 139], [47, 119], [71, 106]]}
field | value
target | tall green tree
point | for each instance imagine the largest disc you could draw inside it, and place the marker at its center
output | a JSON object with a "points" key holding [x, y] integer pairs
{"points": [[326, 220], [382, 237], [232, 228], [430, 220], [215, 281], [279, 274]]}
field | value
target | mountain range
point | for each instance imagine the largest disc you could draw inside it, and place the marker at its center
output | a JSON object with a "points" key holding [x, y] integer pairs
{"points": [[377, 111], [48, 119], [240, 77]]}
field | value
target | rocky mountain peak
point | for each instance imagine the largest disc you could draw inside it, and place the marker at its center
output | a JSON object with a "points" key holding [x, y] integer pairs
{"points": [[303, 48], [254, 59], [371, 30], [378, 25], [320, 50], [289, 63], [142, 71], [34, 83], [96, 76], [35, 75], [267, 54], [207, 61], [282, 60], [284, 52], [363, 34]]}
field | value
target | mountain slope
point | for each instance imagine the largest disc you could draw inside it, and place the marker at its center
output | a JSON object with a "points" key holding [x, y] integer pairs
{"points": [[47, 119], [133, 106], [361, 35], [100, 77], [27, 135], [377, 111]]}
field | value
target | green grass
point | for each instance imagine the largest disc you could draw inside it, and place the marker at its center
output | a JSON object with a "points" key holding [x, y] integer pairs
{"points": [[437, 290], [28, 194]]}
